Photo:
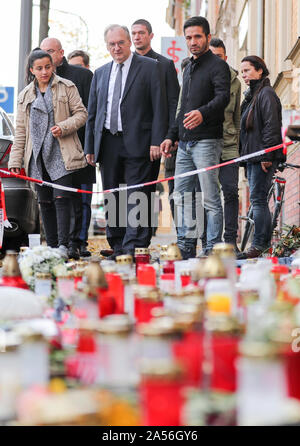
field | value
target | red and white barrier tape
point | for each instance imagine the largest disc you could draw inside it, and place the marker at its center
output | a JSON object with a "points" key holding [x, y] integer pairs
{"points": [[150, 183]]}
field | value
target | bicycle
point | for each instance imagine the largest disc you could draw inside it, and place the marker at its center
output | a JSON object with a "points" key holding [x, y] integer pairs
{"points": [[275, 201]]}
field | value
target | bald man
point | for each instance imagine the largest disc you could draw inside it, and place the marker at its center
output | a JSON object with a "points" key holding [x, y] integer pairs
{"points": [[82, 78]]}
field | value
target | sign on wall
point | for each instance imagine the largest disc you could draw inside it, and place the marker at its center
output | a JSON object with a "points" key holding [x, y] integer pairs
{"points": [[175, 48], [7, 99]]}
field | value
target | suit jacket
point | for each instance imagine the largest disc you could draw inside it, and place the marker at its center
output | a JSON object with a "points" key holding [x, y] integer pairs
{"points": [[143, 108], [171, 83], [82, 78]]}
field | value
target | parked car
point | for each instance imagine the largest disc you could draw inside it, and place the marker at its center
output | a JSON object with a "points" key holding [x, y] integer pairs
{"points": [[98, 219], [20, 197]]}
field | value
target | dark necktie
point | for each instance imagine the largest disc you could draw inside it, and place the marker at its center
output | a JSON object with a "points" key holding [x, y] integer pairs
{"points": [[115, 101]]}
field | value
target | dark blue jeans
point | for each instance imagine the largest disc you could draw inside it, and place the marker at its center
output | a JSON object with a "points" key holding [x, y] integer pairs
{"points": [[259, 184]]}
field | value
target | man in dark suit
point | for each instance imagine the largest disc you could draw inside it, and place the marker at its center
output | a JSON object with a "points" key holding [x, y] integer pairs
{"points": [[126, 123], [82, 78], [142, 35]]}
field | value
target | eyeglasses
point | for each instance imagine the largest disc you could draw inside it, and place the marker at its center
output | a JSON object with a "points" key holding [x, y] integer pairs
{"points": [[52, 51], [112, 45]]}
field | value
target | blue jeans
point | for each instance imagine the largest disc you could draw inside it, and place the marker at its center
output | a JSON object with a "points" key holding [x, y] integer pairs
{"points": [[259, 184], [194, 155]]}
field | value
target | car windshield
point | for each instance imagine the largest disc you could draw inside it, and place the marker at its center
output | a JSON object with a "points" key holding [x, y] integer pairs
{"points": [[6, 127]]}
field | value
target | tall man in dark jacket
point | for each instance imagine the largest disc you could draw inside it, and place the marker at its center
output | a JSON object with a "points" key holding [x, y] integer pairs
{"points": [[199, 128], [125, 126], [82, 78], [142, 35]]}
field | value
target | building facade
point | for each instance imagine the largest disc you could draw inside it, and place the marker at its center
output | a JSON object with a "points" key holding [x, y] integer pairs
{"points": [[271, 30]]}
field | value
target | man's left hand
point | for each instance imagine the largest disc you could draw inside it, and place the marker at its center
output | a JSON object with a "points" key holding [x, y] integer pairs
{"points": [[154, 153], [265, 165], [193, 119]]}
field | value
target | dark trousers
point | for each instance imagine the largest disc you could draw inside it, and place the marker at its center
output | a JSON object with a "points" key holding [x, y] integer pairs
{"points": [[76, 218], [153, 220], [229, 179], [55, 209], [127, 224], [259, 185], [86, 213]]}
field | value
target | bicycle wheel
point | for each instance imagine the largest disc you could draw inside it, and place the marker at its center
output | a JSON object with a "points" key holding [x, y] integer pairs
{"points": [[249, 227], [275, 200]]}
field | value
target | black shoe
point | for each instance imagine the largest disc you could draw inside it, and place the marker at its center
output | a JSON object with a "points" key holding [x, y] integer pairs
{"points": [[204, 253], [73, 253], [114, 255], [188, 254], [106, 252], [84, 252], [251, 253]]}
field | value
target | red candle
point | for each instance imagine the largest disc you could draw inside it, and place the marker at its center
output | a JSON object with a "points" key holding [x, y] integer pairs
{"points": [[141, 256], [146, 275], [106, 302], [169, 267], [145, 299], [16, 282], [292, 367], [116, 291], [162, 400]]}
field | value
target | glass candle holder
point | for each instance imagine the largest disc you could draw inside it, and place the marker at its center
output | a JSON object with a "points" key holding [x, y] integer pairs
{"points": [[145, 299], [65, 286], [161, 394], [43, 284], [146, 275], [34, 346], [117, 368], [142, 256]]}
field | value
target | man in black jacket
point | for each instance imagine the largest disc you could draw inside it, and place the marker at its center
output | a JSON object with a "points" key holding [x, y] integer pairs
{"points": [[199, 128], [82, 78], [142, 35]]}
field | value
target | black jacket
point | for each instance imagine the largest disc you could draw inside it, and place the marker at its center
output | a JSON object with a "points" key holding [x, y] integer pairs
{"points": [[171, 83], [82, 78], [205, 87], [267, 122]]}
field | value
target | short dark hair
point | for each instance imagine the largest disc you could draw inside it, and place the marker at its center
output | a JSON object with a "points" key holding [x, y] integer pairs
{"points": [[80, 53], [217, 43], [144, 23], [197, 21]]}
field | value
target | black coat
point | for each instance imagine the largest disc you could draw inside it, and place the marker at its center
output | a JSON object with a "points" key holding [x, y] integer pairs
{"points": [[171, 83], [143, 108], [267, 122], [205, 87], [82, 78]]}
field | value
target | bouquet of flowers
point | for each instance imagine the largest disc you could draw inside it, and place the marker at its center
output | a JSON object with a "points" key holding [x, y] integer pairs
{"points": [[41, 259]]}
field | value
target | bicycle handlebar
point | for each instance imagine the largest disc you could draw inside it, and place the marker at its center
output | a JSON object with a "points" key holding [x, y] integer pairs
{"points": [[282, 166]]}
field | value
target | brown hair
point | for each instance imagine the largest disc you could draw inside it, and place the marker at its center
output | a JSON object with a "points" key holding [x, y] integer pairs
{"points": [[258, 64]]}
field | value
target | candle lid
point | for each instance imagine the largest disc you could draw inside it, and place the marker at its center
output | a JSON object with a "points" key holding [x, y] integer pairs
{"points": [[164, 326], [68, 275], [10, 265], [161, 369], [224, 250], [224, 324], [258, 350], [125, 259], [115, 324], [94, 275], [173, 252], [147, 293], [24, 248], [141, 251], [43, 276], [214, 268]]}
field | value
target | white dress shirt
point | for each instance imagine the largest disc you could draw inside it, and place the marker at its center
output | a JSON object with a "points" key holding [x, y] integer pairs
{"points": [[111, 86]]}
